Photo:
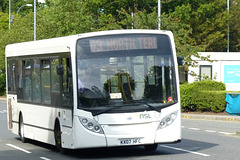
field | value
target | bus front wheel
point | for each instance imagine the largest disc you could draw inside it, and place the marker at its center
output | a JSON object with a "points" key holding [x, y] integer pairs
{"points": [[21, 129], [151, 147], [58, 138]]}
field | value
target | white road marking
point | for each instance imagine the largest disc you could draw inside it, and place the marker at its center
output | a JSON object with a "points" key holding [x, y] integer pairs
{"points": [[184, 150], [227, 133], [18, 148], [196, 129], [44, 158], [211, 131], [3, 111]]}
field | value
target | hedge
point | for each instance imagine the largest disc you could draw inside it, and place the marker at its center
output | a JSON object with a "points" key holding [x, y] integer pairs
{"points": [[2, 84], [204, 96]]}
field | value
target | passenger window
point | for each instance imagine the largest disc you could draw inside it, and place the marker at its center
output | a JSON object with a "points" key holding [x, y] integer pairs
{"points": [[36, 81], [45, 80], [55, 77], [27, 80], [9, 75], [55, 84], [11, 69], [19, 79]]}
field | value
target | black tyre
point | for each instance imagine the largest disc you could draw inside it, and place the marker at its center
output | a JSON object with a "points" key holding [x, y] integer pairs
{"points": [[58, 138], [151, 147], [21, 129]]}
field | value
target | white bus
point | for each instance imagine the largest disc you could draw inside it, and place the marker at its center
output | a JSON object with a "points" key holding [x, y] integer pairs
{"points": [[99, 89]]}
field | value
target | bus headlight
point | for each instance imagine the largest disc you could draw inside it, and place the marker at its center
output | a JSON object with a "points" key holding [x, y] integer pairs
{"points": [[167, 120], [91, 125]]}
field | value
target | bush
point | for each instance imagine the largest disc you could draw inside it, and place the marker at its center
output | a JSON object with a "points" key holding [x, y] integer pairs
{"points": [[203, 96], [209, 85], [2, 84], [186, 94]]}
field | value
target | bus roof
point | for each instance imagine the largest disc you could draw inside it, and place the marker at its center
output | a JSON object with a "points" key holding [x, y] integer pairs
{"points": [[62, 44], [53, 45]]}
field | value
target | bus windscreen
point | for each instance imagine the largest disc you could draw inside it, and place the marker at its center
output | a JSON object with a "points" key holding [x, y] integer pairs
{"points": [[127, 72]]}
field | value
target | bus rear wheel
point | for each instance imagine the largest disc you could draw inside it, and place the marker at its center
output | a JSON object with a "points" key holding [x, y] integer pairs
{"points": [[21, 129], [58, 138]]}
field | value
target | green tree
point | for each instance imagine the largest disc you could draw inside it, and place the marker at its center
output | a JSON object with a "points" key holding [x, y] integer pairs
{"points": [[234, 25], [1, 5], [197, 25], [208, 20], [3, 43], [186, 46], [15, 5], [3, 21]]}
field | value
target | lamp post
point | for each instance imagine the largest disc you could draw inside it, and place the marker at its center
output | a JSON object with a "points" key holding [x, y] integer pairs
{"points": [[35, 21], [35, 17], [9, 22], [228, 26], [159, 14], [10, 16], [28, 5]]}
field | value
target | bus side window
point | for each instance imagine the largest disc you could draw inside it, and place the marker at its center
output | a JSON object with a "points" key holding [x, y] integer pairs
{"points": [[36, 87], [67, 90], [45, 80], [27, 80], [55, 83], [11, 76], [19, 78], [54, 76]]}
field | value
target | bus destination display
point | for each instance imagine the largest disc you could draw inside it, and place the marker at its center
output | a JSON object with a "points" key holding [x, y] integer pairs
{"points": [[121, 44]]}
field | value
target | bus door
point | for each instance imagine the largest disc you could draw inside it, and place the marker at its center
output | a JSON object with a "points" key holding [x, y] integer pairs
{"points": [[66, 90]]}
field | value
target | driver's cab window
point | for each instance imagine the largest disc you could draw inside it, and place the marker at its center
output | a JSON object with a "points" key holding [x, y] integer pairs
{"points": [[88, 75]]}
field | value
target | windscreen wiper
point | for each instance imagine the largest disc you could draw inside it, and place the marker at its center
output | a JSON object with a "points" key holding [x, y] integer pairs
{"points": [[105, 110], [157, 108], [148, 105], [153, 108]]}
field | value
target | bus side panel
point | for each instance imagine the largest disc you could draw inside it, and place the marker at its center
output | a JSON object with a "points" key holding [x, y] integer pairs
{"points": [[38, 122], [38, 134], [35, 126]]}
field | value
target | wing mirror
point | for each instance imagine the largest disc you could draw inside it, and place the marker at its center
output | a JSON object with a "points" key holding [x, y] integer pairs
{"points": [[60, 70]]}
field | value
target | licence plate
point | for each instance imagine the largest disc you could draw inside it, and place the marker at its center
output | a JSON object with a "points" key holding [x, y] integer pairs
{"points": [[130, 141]]}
